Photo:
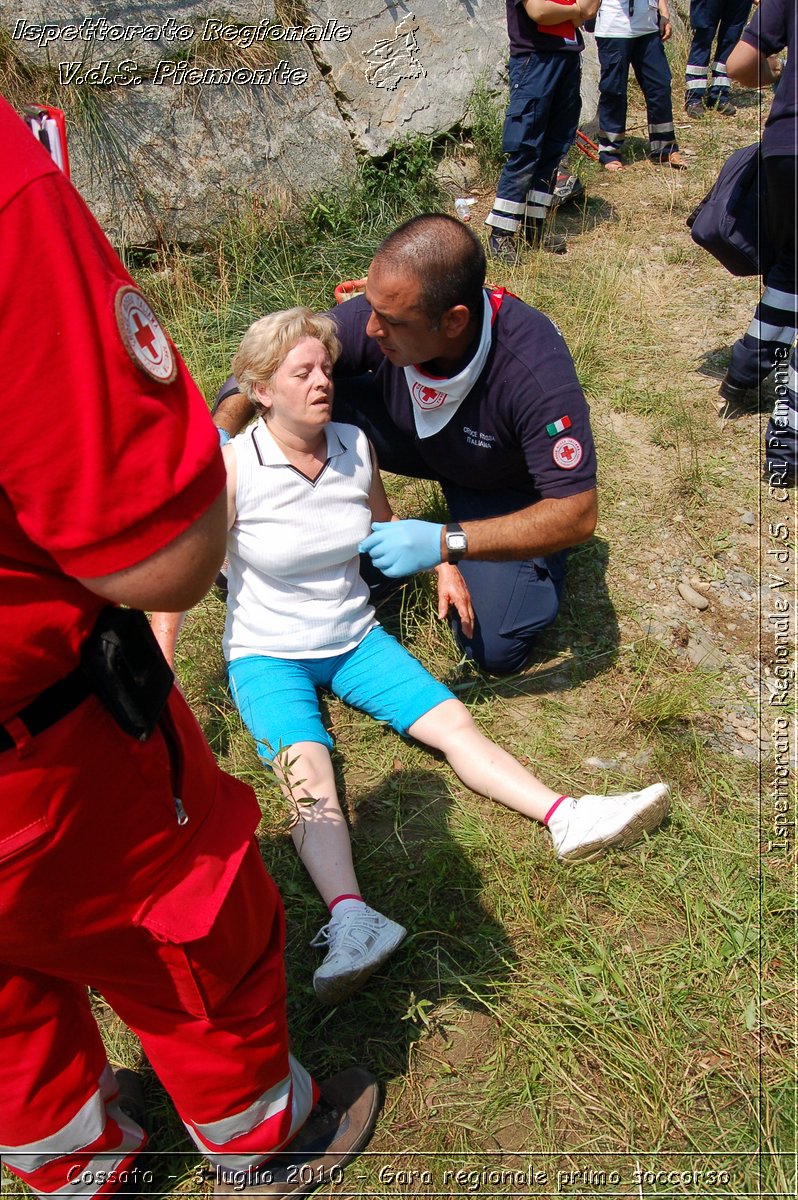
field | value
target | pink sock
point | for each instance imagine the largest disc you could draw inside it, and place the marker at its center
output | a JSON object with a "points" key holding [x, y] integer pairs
{"points": [[344, 902], [553, 809]]}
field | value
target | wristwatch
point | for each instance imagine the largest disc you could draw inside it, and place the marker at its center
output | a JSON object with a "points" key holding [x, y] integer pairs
{"points": [[456, 542]]}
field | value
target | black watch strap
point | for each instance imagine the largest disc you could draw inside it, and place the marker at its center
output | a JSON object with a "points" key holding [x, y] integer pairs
{"points": [[456, 542]]}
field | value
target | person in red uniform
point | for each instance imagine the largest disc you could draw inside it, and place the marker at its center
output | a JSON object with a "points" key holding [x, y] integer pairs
{"points": [[128, 866]]}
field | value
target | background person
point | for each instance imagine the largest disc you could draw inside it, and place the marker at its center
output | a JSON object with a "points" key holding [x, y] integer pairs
{"points": [[302, 493], [471, 387], [541, 120], [632, 35], [770, 338], [721, 22], [126, 865]]}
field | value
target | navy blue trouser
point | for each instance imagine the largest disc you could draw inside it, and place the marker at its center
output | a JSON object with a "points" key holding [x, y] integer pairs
{"points": [[646, 56], [512, 601], [708, 18], [767, 343], [539, 128]]}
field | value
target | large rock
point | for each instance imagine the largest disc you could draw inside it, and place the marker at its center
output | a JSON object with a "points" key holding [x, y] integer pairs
{"points": [[174, 115]]}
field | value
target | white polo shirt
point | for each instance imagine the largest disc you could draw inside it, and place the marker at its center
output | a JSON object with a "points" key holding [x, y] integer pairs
{"points": [[294, 585]]}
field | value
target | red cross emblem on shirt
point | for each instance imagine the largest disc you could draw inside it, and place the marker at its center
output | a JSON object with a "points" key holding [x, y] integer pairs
{"points": [[567, 453], [143, 337]]}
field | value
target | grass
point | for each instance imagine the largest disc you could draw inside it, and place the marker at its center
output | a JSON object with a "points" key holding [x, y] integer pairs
{"points": [[592, 1028]]}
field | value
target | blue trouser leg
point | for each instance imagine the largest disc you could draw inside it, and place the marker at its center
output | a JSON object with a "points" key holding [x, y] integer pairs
{"points": [[614, 58], [539, 127], [770, 335], [652, 72], [512, 601], [732, 21]]}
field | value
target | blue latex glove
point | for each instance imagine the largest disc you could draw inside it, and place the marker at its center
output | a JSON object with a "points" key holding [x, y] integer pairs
{"points": [[224, 436], [403, 547]]}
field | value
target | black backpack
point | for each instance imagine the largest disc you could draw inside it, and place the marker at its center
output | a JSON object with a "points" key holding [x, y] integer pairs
{"points": [[730, 220]]}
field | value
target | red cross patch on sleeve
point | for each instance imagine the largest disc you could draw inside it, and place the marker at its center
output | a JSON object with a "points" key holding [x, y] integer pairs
{"points": [[567, 453], [143, 336]]}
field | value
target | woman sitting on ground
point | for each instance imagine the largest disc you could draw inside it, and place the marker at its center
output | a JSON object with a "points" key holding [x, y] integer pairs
{"points": [[302, 494]]}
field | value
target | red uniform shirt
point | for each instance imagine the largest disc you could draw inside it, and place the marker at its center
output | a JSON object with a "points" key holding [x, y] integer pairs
{"points": [[106, 454]]}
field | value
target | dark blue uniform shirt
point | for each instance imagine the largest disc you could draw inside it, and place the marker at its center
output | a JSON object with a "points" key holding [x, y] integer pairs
{"points": [[497, 438]]}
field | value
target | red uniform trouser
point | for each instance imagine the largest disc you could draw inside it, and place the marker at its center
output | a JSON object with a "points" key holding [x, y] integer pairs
{"points": [[105, 883]]}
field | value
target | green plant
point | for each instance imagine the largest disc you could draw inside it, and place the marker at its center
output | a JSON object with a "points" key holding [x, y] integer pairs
{"points": [[484, 120]]}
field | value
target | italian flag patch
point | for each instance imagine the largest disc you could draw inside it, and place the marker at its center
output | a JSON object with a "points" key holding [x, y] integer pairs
{"points": [[558, 426]]}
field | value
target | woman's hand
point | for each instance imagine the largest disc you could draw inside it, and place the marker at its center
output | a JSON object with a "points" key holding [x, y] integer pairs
{"points": [[453, 591]]}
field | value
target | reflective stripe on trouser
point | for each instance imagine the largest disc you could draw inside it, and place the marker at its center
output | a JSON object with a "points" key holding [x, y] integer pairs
{"points": [[538, 204], [695, 81], [610, 145], [230, 1142], [97, 1142], [720, 79], [178, 926], [769, 335], [662, 139], [539, 128]]}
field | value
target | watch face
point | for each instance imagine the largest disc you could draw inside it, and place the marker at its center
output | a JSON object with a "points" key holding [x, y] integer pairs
{"points": [[456, 541]]}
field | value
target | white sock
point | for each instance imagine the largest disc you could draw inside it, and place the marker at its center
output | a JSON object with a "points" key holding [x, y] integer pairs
{"points": [[339, 907]]}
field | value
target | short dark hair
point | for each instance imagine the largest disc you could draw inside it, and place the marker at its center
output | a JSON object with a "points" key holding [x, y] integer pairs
{"points": [[444, 255]]}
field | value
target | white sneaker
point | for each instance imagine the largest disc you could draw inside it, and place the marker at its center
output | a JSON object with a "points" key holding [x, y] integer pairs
{"points": [[587, 827], [359, 941]]}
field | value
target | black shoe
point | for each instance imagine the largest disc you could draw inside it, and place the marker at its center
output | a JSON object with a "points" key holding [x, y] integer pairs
{"points": [[694, 109], [131, 1095], [554, 243], [733, 392], [537, 237], [504, 247], [725, 106], [337, 1129]]}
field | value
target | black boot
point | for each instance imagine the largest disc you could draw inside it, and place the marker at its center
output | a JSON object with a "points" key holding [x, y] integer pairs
{"points": [[504, 247], [554, 243]]}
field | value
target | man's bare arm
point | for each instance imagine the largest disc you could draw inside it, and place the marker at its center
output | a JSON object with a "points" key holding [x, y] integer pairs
{"points": [[233, 413], [176, 577], [750, 68], [543, 528]]}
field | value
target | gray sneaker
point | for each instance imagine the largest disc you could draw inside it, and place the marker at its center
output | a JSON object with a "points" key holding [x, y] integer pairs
{"points": [[595, 824], [337, 1129], [359, 941]]}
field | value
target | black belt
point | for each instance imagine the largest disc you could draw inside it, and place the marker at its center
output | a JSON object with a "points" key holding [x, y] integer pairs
{"points": [[49, 706]]}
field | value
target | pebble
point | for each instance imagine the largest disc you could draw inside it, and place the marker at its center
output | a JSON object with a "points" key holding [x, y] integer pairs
{"points": [[747, 735], [692, 597], [703, 654], [601, 764], [748, 518]]}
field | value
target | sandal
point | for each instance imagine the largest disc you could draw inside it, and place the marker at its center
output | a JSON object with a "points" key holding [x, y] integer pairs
{"points": [[676, 160]]}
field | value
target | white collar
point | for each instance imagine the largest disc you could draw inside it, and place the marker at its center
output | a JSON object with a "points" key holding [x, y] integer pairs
{"points": [[435, 401]]}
